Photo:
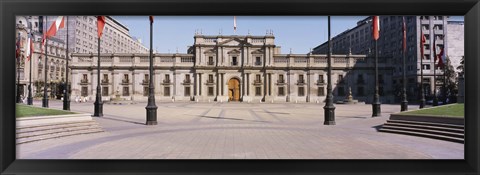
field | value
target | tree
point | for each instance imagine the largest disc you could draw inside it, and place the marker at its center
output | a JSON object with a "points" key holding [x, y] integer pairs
{"points": [[461, 66], [451, 79]]}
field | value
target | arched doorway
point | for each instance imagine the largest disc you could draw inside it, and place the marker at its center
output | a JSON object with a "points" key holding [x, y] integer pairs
{"points": [[233, 90]]}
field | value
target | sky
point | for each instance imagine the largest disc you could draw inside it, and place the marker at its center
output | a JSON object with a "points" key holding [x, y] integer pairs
{"points": [[296, 33]]}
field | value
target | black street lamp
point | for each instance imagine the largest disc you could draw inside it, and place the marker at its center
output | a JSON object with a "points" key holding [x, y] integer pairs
{"points": [[422, 93], [404, 103], [151, 107], [329, 109], [66, 96], [45, 97], [19, 99], [98, 104]]}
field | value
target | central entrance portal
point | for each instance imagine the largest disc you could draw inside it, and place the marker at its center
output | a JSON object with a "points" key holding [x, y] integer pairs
{"points": [[233, 90]]}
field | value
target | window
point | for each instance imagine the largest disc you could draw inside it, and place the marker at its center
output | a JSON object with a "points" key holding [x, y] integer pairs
{"points": [[187, 91], [210, 60], [210, 78], [257, 61], [320, 79], [234, 61], [146, 77], [187, 78], [280, 78], [340, 79], [321, 91], [281, 91], [145, 91], [104, 91], [300, 79], [105, 78], [125, 78], [340, 91], [258, 91], [257, 78], [126, 91], [84, 91], [166, 91], [301, 91], [360, 91], [167, 78], [210, 91]]}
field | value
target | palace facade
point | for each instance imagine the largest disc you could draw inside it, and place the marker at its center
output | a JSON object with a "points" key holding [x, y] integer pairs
{"points": [[230, 68]]}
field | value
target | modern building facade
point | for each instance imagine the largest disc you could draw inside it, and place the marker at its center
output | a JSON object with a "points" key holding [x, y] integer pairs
{"points": [[230, 68], [359, 40]]}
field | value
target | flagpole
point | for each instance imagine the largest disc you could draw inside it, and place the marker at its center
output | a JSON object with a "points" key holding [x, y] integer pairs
{"points": [[329, 109], [30, 98], [376, 109], [98, 109], [422, 93], [435, 99], [45, 97], [404, 103], [19, 100], [66, 96], [151, 107]]}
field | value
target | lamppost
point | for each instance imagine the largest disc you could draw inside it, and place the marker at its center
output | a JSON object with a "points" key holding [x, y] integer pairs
{"points": [[30, 98], [404, 103], [422, 96], [19, 100], [329, 109], [151, 107], [66, 96], [45, 97]]}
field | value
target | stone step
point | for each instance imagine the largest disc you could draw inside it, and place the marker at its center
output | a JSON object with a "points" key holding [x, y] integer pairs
{"points": [[57, 126], [427, 131], [58, 135], [429, 127], [48, 131], [433, 136], [428, 124]]}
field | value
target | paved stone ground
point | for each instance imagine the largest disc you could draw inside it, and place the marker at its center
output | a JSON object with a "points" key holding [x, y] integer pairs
{"points": [[239, 131]]}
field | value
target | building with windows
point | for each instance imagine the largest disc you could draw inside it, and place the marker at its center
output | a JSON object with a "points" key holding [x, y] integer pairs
{"points": [[82, 39], [230, 68], [359, 40]]}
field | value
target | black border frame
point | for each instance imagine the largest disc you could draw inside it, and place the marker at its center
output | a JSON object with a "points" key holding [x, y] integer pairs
{"points": [[9, 9]]}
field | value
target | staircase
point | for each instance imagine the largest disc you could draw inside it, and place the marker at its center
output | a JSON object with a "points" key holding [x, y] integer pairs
{"points": [[32, 133], [434, 130]]}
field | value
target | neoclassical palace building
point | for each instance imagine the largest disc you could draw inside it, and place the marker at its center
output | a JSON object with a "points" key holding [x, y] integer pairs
{"points": [[231, 68]]}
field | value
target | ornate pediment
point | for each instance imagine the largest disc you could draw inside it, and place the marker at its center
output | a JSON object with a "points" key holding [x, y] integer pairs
{"points": [[258, 51], [210, 51], [234, 51], [231, 42]]}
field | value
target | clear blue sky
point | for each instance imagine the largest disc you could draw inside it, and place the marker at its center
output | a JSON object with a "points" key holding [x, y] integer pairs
{"points": [[300, 33]]}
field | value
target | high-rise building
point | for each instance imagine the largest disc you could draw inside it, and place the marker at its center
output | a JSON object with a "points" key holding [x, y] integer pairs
{"points": [[359, 40]]}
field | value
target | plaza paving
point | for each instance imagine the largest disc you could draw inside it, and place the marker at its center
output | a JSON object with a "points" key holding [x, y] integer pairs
{"points": [[239, 131]]}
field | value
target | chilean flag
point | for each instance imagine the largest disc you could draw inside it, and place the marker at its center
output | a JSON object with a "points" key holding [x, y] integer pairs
{"points": [[404, 36], [29, 48], [376, 27], [57, 25], [422, 43]]}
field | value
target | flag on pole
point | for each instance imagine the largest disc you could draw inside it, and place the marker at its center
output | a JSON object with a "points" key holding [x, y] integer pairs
{"points": [[434, 51], [29, 48], [100, 25], [235, 24], [404, 35], [441, 57], [57, 25], [422, 43], [376, 27], [17, 48], [151, 19]]}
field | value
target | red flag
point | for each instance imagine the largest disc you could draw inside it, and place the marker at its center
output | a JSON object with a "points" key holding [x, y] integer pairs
{"points": [[404, 36], [100, 25], [57, 25], [376, 27], [422, 42], [440, 57], [151, 19]]}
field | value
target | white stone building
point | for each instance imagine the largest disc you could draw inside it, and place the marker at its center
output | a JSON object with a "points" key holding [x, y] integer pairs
{"points": [[230, 68]]}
